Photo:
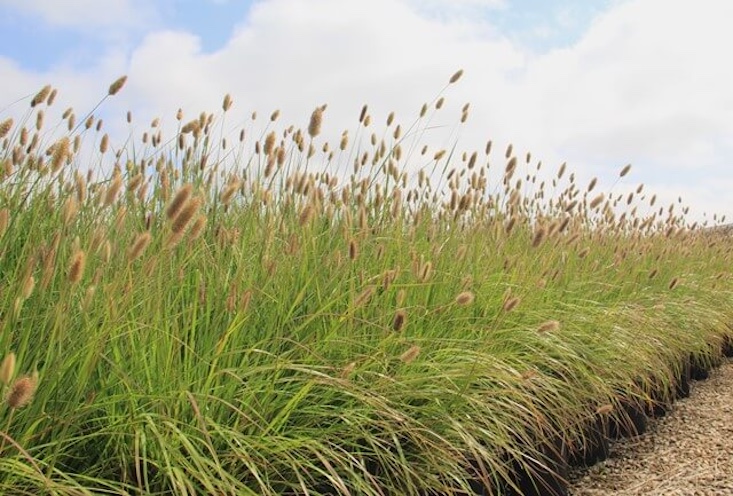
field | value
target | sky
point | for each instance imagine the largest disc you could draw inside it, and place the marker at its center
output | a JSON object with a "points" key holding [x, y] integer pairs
{"points": [[595, 83]]}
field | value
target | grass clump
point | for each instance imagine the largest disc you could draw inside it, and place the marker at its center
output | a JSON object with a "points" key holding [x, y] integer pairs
{"points": [[285, 317]]}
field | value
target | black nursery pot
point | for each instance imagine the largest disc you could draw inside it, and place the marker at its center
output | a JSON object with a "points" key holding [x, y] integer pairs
{"points": [[541, 474], [682, 385], [727, 347], [659, 403], [594, 446], [699, 367], [481, 483], [632, 421]]}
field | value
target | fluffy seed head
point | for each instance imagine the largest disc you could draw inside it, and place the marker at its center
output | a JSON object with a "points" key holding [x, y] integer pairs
{"points": [[197, 228], [139, 245], [5, 126], [41, 95], [426, 272], [510, 224], [104, 144], [21, 392], [76, 268], [60, 153], [314, 128], [456, 76], [134, 182], [4, 220], [398, 321], [185, 215], [229, 191], [674, 282], [227, 103], [353, 249], [465, 298], [549, 326], [364, 297], [173, 239], [411, 354], [178, 201], [306, 215], [561, 171], [597, 201], [511, 303], [346, 372], [116, 86], [538, 237], [625, 170], [111, 194], [7, 368], [28, 286], [344, 141]]}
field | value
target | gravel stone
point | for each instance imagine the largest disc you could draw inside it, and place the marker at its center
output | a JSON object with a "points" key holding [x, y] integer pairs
{"points": [[689, 452]]}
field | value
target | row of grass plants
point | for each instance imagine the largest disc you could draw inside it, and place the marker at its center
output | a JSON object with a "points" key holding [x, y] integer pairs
{"points": [[266, 312]]}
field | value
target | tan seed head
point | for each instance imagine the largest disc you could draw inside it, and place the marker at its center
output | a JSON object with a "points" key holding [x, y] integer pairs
{"points": [[178, 201], [60, 153], [76, 268], [465, 298], [41, 96], [346, 371], [116, 86], [411, 354], [21, 392], [5, 127], [197, 228], [227, 103], [4, 220], [139, 245], [456, 76], [185, 215], [549, 326], [398, 321], [538, 237], [597, 201], [511, 303], [7, 368], [314, 128]]}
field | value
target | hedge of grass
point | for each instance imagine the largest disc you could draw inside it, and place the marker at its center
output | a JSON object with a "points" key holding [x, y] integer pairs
{"points": [[273, 315]]}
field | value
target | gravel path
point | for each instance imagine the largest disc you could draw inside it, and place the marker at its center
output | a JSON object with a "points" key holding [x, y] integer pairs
{"points": [[688, 452]]}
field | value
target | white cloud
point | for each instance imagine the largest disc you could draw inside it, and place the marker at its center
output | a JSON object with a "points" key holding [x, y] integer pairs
{"points": [[648, 83]]}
